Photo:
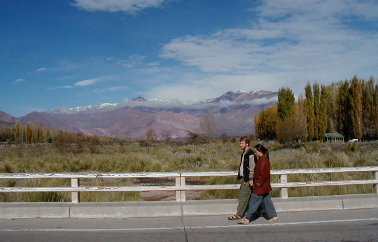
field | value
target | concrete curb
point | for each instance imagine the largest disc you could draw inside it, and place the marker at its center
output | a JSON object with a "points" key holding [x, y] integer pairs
{"points": [[172, 208]]}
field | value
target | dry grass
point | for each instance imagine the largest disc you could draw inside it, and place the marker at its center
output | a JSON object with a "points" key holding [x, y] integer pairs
{"points": [[216, 156]]}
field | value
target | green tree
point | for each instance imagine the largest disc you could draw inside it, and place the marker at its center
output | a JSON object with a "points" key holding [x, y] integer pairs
{"points": [[309, 109], [317, 110], [323, 112], [369, 107], [286, 101], [356, 107], [332, 108], [343, 107]]}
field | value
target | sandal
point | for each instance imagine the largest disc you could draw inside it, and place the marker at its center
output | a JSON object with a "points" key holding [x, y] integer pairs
{"points": [[234, 217]]}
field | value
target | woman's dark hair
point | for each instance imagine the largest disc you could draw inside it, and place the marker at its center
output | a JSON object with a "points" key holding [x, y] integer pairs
{"points": [[262, 149]]}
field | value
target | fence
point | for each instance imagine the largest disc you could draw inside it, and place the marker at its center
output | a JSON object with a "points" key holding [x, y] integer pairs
{"points": [[180, 186]]}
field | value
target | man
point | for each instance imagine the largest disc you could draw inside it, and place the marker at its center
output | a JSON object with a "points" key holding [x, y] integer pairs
{"points": [[245, 174]]}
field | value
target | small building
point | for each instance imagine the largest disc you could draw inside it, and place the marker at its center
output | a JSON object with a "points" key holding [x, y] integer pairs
{"points": [[334, 137]]}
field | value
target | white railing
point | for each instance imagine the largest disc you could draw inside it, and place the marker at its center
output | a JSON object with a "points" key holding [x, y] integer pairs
{"points": [[180, 181]]}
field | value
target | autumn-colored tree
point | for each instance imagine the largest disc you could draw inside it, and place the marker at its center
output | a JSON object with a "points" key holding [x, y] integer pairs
{"points": [[294, 127], [17, 134], [266, 123], [28, 136]]}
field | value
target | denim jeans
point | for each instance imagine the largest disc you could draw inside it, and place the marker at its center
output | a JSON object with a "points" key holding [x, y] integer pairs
{"points": [[265, 200]]}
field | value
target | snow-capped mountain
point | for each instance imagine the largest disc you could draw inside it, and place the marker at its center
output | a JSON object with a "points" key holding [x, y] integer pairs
{"points": [[233, 114], [89, 108]]}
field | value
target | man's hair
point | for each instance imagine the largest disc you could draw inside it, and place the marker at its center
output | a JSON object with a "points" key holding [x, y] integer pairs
{"points": [[245, 139]]}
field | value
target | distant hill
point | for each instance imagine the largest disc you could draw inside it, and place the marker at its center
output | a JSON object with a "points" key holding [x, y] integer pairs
{"points": [[6, 118], [232, 112]]}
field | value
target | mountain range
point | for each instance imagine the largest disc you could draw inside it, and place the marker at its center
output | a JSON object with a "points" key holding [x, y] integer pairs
{"points": [[231, 113]]}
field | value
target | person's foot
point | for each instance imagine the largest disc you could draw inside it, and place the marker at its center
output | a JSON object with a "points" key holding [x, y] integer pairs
{"points": [[234, 217], [273, 220], [243, 220]]}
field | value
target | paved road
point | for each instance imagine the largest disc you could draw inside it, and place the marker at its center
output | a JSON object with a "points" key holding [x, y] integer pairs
{"points": [[340, 225]]}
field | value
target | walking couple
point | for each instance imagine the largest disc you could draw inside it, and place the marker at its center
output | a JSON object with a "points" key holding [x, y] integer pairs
{"points": [[254, 172]]}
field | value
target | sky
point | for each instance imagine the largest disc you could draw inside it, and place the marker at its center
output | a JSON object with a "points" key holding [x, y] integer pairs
{"points": [[68, 53]]}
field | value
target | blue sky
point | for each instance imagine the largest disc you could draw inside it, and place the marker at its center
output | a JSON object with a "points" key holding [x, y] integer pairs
{"points": [[87, 52]]}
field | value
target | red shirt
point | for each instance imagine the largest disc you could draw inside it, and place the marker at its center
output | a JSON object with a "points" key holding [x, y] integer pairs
{"points": [[261, 176]]}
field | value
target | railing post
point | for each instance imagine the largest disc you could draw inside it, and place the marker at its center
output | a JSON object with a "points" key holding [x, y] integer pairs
{"points": [[283, 192], [376, 178], [180, 195], [177, 184], [75, 195]]}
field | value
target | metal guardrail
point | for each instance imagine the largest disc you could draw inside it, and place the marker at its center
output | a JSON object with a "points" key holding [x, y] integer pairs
{"points": [[180, 181]]}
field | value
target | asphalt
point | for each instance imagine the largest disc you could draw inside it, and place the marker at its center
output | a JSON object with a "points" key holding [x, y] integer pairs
{"points": [[329, 225]]}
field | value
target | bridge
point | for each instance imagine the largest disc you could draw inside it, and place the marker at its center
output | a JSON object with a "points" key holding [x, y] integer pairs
{"points": [[180, 207], [322, 218]]}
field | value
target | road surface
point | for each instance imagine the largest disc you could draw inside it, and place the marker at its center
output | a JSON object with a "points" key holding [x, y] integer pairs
{"points": [[336, 225]]}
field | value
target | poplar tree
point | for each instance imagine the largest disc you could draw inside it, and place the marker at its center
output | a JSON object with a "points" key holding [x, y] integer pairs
{"points": [[28, 135], [356, 107], [17, 133], [285, 103], [343, 107], [323, 112], [368, 105], [309, 109], [375, 112], [317, 110], [332, 108]]}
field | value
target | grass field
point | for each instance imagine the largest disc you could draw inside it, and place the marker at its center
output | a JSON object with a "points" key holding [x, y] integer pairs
{"points": [[162, 157]]}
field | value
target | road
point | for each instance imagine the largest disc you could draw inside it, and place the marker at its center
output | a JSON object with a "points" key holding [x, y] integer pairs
{"points": [[336, 225]]}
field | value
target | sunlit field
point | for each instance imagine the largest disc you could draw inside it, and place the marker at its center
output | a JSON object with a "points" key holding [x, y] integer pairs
{"points": [[167, 157]]}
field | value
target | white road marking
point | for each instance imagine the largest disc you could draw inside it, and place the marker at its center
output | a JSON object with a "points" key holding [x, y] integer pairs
{"points": [[188, 227]]}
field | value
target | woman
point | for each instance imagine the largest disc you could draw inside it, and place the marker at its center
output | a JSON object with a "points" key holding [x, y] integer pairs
{"points": [[261, 188]]}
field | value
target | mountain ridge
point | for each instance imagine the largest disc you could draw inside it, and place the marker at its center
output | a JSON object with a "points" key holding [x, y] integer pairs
{"points": [[232, 113]]}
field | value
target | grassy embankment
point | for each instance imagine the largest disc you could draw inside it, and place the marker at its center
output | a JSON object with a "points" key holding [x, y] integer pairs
{"points": [[170, 157]]}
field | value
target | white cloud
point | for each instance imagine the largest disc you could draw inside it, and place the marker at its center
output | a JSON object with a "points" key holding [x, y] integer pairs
{"points": [[19, 80], [128, 6], [61, 87], [131, 61], [290, 43], [86, 82], [41, 69]]}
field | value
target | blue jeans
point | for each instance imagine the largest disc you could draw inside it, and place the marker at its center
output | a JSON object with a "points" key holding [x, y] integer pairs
{"points": [[265, 200]]}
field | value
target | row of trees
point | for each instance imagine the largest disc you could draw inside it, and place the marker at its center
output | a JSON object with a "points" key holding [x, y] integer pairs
{"points": [[33, 134], [348, 107], [24, 134]]}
